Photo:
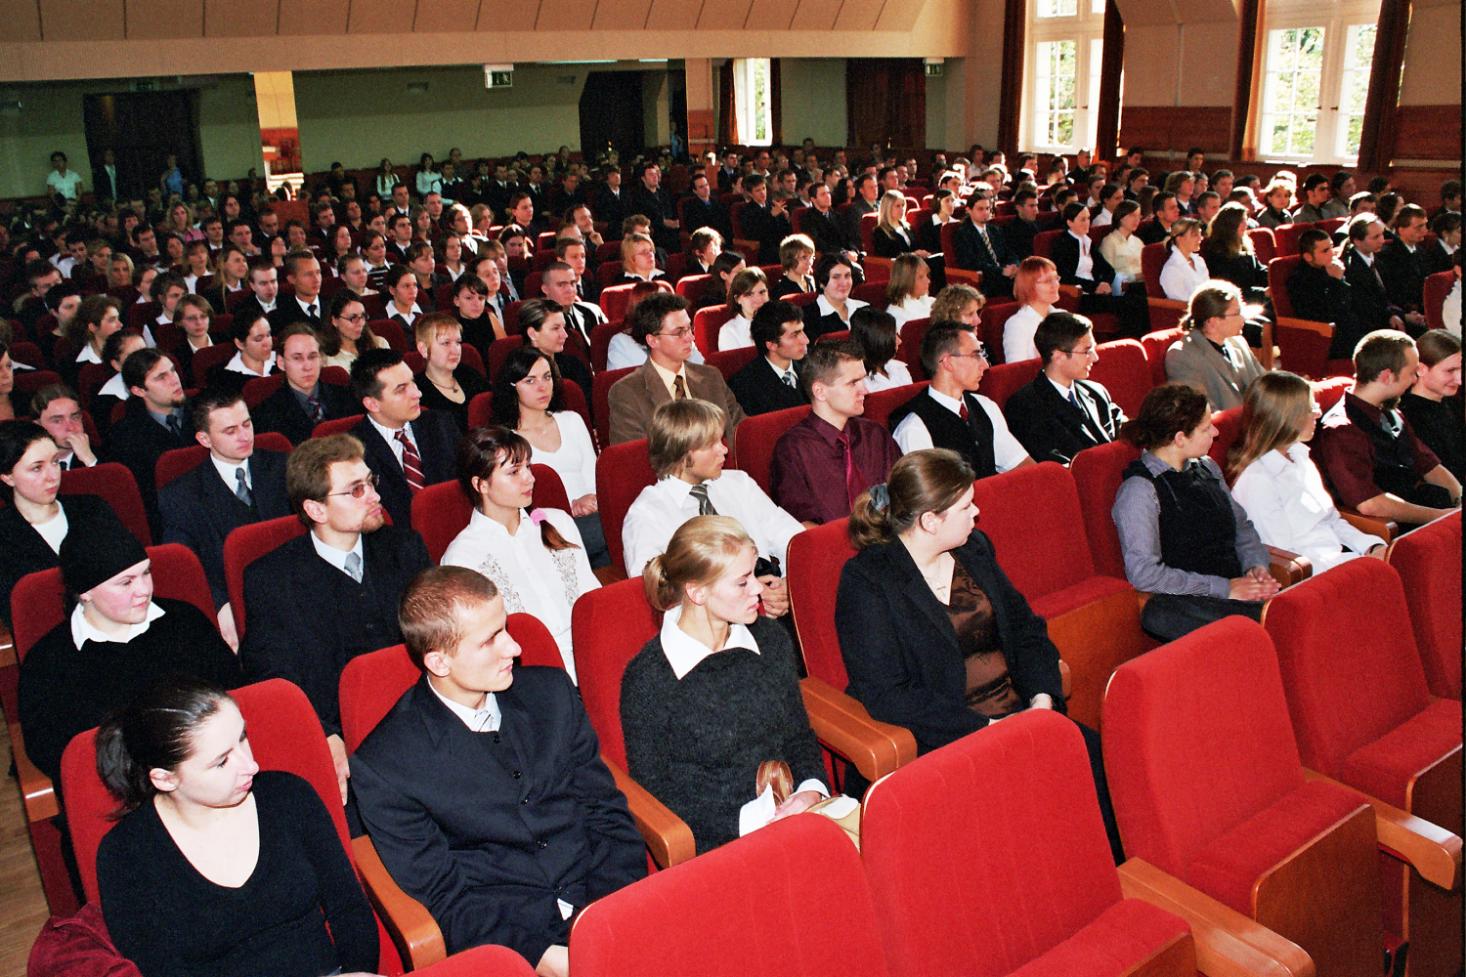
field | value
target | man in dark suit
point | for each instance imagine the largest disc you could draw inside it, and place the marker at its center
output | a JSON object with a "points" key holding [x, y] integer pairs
{"points": [[1319, 291], [612, 201], [649, 198], [303, 400], [867, 193], [1025, 227], [1062, 411], [303, 272], [982, 247], [773, 381], [483, 790], [154, 422], [822, 227], [660, 323], [325, 597], [728, 172], [264, 289], [703, 210], [765, 219], [236, 485], [557, 283], [1402, 261], [1364, 272], [407, 448], [106, 181]]}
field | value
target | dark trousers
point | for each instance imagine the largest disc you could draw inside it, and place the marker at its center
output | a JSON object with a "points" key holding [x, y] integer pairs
{"points": [[1169, 616], [594, 537]]}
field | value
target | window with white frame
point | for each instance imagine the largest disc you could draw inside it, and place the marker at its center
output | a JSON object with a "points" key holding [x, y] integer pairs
{"points": [[1061, 82], [1315, 76], [753, 97]]}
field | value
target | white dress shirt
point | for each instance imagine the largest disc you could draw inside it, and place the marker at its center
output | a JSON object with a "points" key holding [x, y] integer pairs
{"points": [[53, 530], [531, 578], [337, 558], [1018, 333], [910, 308], [1285, 498], [1179, 279], [897, 375], [662, 508], [735, 334], [227, 470], [827, 309], [114, 387], [390, 436], [575, 461], [1451, 310], [911, 434], [1085, 267], [484, 719], [625, 351], [82, 630]]}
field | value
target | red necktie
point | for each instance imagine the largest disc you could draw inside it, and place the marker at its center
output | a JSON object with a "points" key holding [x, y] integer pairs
{"points": [[962, 410], [854, 483], [411, 462]]}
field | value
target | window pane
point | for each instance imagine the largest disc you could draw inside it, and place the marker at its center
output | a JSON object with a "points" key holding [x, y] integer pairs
{"points": [[1058, 8], [1292, 75], [1353, 87], [1055, 92]]}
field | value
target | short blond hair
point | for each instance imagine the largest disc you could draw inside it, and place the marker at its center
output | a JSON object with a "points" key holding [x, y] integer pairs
{"points": [[678, 428], [434, 324], [429, 611]]}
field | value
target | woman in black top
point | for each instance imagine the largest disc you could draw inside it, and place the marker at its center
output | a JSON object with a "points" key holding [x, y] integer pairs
{"points": [[716, 693], [36, 520], [218, 867], [934, 635], [1433, 405], [447, 384], [1228, 253]]}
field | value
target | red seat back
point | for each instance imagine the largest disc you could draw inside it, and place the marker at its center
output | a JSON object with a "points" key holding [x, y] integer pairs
{"points": [[210, 358], [500, 349], [813, 908], [1004, 380], [1097, 475], [755, 439], [114, 484], [871, 293], [1204, 710], [600, 343], [261, 389], [622, 471], [1229, 435], [38, 601], [692, 286], [1155, 345], [29, 381], [912, 332], [337, 425], [389, 330], [600, 394], [1152, 260], [245, 545], [880, 405], [868, 224], [729, 361], [180, 461], [1349, 661], [949, 868], [1043, 242], [1278, 272], [706, 324], [1264, 245], [1125, 372], [608, 626], [1043, 555], [440, 512], [990, 329], [1429, 563], [1329, 392], [1286, 237], [615, 298], [1437, 287], [819, 554]]}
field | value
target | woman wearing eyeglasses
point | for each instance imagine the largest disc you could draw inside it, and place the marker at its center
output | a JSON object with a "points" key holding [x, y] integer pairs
{"points": [[349, 335], [1212, 356]]}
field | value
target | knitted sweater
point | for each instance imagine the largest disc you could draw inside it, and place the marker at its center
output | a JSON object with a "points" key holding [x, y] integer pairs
{"points": [[696, 744]]}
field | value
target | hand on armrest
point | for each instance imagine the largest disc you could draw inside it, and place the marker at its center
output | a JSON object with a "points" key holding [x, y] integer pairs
{"points": [[1287, 567]]}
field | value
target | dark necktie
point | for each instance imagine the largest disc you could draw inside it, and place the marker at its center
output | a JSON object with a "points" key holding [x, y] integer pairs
{"points": [[962, 410], [1074, 399], [982, 233], [679, 390], [854, 483], [241, 487], [788, 377], [314, 408], [175, 426], [411, 462], [704, 504]]}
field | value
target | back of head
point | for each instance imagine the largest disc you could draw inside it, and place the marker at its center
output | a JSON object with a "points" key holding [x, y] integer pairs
{"points": [[1381, 350], [1437, 345], [1273, 412], [678, 428], [872, 334], [1168, 410], [931, 480], [428, 613], [700, 551]]}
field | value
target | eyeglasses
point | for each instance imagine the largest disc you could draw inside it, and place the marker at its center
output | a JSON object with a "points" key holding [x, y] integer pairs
{"points": [[682, 333], [981, 353], [359, 317], [358, 490], [1087, 351]]}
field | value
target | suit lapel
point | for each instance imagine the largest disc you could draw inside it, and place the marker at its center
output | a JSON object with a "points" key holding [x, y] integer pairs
{"points": [[914, 588]]}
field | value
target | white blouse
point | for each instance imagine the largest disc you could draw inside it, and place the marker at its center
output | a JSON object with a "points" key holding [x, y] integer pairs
{"points": [[910, 308], [1122, 251], [1018, 333], [736, 333], [1179, 279], [575, 461], [1285, 498], [531, 578], [897, 375], [625, 351]]}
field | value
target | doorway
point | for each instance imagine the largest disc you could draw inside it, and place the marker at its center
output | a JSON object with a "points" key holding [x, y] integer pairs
{"points": [[142, 128], [611, 112]]}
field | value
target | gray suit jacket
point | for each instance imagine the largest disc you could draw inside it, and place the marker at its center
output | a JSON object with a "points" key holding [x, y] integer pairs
{"points": [[1194, 360], [636, 395]]}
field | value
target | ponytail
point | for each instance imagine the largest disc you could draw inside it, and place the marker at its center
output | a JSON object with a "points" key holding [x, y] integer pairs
{"points": [[932, 480], [870, 521], [660, 592], [550, 537]]}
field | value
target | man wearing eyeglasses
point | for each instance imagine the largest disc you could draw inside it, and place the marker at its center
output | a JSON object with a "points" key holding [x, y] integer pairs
{"points": [[661, 323], [1062, 411], [325, 597], [950, 413], [303, 400]]}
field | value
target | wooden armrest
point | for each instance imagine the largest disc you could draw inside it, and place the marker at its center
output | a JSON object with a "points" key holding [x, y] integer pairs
{"points": [[1287, 567], [1430, 849], [1305, 325], [967, 276], [1228, 944], [35, 787], [1065, 678], [408, 922], [843, 725], [667, 836], [1385, 529], [1267, 353], [1158, 303]]}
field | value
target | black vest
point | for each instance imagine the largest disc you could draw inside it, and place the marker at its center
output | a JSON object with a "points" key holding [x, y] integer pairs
{"points": [[1198, 530], [1394, 461], [972, 440]]}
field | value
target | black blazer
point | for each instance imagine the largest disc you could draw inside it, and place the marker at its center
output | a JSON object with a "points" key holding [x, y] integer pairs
{"points": [[902, 655], [1372, 305], [138, 441], [889, 244], [1404, 275], [1319, 296], [816, 325], [971, 254], [759, 389], [1020, 234], [23, 551], [1065, 254], [436, 438], [199, 510], [1433, 259], [824, 231], [288, 310], [489, 829], [710, 214], [304, 619], [760, 224], [851, 220], [1051, 429], [281, 412]]}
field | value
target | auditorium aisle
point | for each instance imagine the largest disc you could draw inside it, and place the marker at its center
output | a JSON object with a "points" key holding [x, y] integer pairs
{"points": [[22, 906]]}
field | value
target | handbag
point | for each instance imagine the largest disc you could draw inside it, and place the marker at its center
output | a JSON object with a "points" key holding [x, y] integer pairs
{"points": [[775, 775]]}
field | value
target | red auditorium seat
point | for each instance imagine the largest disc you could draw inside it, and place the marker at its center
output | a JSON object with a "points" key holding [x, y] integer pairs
{"points": [[880, 405], [691, 287], [1097, 476], [38, 604], [1004, 380], [29, 381], [729, 361], [808, 911], [600, 343], [706, 324], [600, 394], [615, 298], [1437, 287], [1286, 237], [1043, 242], [971, 885], [211, 358], [284, 734], [1208, 786], [337, 425], [1303, 343], [622, 471], [245, 545], [990, 328], [1429, 563], [871, 293], [1264, 245], [180, 461], [1164, 312], [114, 484], [755, 439], [1093, 618], [1155, 345], [1229, 432], [441, 511], [389, 330], [1125, 372]]}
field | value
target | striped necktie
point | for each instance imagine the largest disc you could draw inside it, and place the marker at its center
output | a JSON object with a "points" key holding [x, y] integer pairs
{"points": [[411, 462]]}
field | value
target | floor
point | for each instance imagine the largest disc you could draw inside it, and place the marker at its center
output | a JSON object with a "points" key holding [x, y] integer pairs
{"points": [[22, 906]]}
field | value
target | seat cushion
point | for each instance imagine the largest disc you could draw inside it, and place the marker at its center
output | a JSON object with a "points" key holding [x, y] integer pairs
{"points": [[1127, 932], [1384, 767], [1227, 868], [1086, 591]]}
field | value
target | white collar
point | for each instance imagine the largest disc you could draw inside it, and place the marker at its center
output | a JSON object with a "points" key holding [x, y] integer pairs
{"points": [[484, 720], [226, 470], [827, 309], [83, 631], [115, 387], [388, 434], [306, 306], [479, 522], [684, 652], [1277, 461], [335, 557], [951, 403], [667, 376], [1063, 390], [236, 365]]}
